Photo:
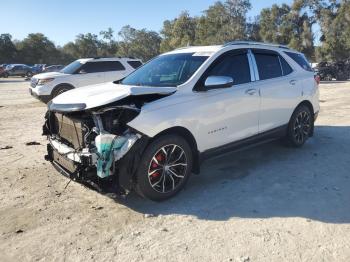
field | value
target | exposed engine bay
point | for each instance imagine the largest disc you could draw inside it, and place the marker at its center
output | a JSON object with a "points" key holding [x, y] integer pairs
{"points": [[96, 144]]}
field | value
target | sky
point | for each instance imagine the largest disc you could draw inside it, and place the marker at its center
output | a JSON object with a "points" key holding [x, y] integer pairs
{"points": [[62, 20]]}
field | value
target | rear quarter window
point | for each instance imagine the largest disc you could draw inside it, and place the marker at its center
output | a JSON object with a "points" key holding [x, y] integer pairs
{"points": [[300, 60]]}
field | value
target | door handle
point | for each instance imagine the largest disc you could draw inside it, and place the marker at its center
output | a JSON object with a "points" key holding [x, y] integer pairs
{"points": [[292, 82], [250, 91]]}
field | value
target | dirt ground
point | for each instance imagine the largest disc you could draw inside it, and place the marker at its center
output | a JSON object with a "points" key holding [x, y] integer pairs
{"points": [[269, 203]]}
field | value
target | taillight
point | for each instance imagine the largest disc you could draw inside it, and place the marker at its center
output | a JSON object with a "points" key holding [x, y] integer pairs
{"points": [[317, 79]]}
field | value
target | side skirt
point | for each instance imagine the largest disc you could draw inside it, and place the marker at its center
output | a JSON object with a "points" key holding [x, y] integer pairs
{"points": [[249, 142]]}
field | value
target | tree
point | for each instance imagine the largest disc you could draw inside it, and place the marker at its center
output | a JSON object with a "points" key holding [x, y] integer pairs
{"points": [[87, 45], [178, 32], [289, 25], [222, 22], [7, 49], [141, 44], [335, 28], [108, 45], [37, 48]]}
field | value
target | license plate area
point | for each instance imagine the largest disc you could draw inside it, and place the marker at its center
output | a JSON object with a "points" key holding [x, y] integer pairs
{"points": [[64, 162]]}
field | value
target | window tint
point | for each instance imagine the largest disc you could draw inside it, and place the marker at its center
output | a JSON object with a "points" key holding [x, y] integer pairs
{"points": [[112, 66], [96, 67], [134, 64], [285, 66], [301, 60], [92, 67], [268, 65], [233, 65]]}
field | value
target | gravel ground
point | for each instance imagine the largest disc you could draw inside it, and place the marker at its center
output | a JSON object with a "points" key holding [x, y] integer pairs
{"points": [[269, 203]]}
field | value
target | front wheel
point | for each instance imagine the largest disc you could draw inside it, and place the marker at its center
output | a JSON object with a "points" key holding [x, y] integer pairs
{"points": [[60, 90], [165, 168], [300, 126]]}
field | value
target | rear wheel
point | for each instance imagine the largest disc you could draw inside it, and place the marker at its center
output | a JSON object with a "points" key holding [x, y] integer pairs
{"points": [[29, 74], [165, 168], [300, 126], [6, 75]]}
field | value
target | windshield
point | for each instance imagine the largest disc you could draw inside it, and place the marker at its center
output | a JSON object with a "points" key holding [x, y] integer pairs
{"points": [[71, 68], [166, 70]]}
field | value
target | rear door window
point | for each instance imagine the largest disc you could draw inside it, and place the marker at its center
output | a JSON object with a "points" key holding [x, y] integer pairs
{"points": [[135, 64], [286, 69], [105, 66], [300, 60], [112, 66], [234, 65], [268, 63]]}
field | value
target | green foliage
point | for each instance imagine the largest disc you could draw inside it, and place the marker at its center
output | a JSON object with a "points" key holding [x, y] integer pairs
{"points": [[223, 21], [335, 27], [178, 32], [7, 49], [141, 44]]}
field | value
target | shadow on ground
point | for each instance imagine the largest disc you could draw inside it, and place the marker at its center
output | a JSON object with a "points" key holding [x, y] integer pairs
{"points": [[334, 82], [5, 80], [268, 181]]}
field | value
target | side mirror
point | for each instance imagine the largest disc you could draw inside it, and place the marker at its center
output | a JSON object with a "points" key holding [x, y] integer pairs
{"points": [[213, 82]]}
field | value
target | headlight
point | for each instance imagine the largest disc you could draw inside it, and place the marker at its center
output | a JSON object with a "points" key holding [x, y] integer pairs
{"points": [[45, 81]]}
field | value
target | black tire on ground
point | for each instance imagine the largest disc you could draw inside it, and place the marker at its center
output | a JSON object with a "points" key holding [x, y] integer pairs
{"points": [[29, 74], [6, 75], [61, 89], [300, 126], [165, 168]]}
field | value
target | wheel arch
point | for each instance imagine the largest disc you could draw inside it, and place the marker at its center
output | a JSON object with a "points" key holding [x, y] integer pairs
{"points": [[60, 85], [188, 136], [309, 105]]}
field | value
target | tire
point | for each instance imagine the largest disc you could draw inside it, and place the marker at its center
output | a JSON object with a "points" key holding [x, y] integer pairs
{"points": [[300, 126], [6, 75], [29, 74], [156, 178], [59, 90]]}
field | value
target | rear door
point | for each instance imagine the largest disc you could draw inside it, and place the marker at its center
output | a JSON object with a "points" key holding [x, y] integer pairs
{"points": [[114, 70], [279, 89], [17, 70]]}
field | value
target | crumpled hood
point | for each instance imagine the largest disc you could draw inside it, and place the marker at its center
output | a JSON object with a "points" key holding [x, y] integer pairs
{"points": [[49, 75], [101, 94]]}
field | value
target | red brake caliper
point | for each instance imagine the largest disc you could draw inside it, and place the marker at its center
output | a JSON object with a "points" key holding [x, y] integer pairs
{"points": [[154, 165]]}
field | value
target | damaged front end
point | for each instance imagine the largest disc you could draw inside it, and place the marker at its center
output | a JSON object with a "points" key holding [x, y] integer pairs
{"points": [[95, 145]]}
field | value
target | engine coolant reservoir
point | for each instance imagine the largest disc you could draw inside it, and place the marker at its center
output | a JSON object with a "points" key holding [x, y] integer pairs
{"points": [[106, 144]]}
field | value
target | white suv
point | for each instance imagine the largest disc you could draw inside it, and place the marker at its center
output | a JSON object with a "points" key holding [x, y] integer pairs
{"points": [[152, 129], [80, 73]]}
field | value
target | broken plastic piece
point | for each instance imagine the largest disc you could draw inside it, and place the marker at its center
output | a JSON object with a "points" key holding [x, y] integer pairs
{"points": [[111, 148]]}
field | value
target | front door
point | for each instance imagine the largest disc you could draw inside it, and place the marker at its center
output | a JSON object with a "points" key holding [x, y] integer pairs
{"points": [[90, 73], [228, 114]]}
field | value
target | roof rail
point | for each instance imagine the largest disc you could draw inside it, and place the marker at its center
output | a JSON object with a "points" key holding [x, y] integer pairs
{"points": [[254, 43]]}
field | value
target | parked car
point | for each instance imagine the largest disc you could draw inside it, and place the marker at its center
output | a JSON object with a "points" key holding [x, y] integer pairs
{"points": [[334, 70], [18, 70], [53, 68], [80, 73], [2, 71], [151, 130]]}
